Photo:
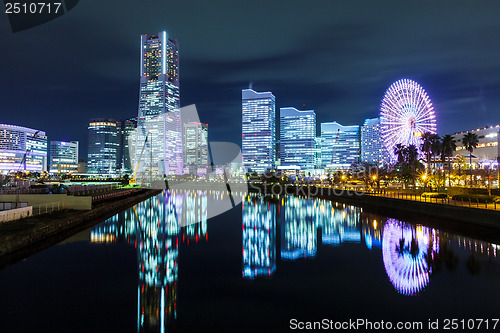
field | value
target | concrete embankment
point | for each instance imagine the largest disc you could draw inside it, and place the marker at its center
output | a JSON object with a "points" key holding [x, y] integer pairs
{"points": [[19, 239]]}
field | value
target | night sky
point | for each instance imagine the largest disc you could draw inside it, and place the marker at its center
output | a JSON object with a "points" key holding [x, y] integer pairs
{"points": [[336, 57]]}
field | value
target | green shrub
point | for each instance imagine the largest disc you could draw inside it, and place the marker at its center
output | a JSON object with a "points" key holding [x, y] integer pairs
{"points": [[434, 195], [482, 198]]}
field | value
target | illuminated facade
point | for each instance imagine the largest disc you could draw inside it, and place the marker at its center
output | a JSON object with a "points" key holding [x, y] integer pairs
{"points": [[103, 147], [488, 148], [259, 237], [159, 107], [127, 149], [297, 137], [258, 141], [340, 145], [373, 150], [22, 149], [63, 157], [195, 142]]}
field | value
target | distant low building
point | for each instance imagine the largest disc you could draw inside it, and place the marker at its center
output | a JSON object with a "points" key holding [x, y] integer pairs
{"points": [[22, 149], [488, 149], [63, 157]]}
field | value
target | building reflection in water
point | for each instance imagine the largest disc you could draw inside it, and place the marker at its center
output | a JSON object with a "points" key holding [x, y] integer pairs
{"points": [[408, 252], [259, 237], [339, 222], [298, 229], [153, 227]]}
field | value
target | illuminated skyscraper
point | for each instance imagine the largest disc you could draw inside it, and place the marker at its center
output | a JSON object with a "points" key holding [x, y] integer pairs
{"points": [[258, 140], [22, 149], [63, 157], [128, 141], [297, 134], [340, 146], [104, 147], [159, 103], [372, 147], [195, 141]]}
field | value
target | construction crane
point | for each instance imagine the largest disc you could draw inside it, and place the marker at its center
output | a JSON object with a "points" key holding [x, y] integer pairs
{"points": [[132, 181]]}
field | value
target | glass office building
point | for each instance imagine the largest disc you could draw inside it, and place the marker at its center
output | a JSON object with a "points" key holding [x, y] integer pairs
{"points": [[297, 135], [159, 118], [340, 145], [127, 149], [373, 150], [103, 147], [258, 140], [63, 157], [22, 149], [195, 141]]}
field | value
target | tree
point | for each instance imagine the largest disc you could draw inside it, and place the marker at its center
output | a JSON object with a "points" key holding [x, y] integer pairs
{"points": [[426, 147], [412, 160], [470, 141], [448, 147]]}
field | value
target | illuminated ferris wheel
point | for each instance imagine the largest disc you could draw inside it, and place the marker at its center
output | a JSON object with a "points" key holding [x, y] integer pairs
{"points": [[406, 113]]}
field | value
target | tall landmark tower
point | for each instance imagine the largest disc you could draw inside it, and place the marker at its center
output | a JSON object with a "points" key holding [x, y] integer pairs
{"points": [[159, 131]]}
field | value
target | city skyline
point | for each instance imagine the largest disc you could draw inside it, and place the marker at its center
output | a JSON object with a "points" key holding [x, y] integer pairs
{"points": [[353, 55]]}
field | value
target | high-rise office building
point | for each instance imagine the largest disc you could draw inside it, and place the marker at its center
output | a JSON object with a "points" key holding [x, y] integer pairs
{"points": [[373, 150], [258, 140], [195, 141], [340, 146], [22, 149], [159, 102], [297, 134], [317, 152], [127, 149], [63, 157], [103, 147]]}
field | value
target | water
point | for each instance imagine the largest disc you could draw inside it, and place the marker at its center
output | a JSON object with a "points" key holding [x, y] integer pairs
{"points": [[187, 261]]}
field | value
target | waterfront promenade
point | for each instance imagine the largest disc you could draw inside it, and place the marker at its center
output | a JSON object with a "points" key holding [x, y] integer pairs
{"points": [[21, 238]]}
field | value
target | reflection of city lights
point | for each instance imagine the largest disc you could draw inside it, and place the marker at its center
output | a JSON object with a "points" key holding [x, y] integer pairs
{"points": [[153, 226], [259, 238], [404, 251]]}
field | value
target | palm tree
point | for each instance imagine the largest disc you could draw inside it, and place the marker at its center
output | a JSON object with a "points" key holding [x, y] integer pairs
{"points": [[436, 147], [448, 147], [412, 159], [399, 151], [426, 147], [470, 141]]}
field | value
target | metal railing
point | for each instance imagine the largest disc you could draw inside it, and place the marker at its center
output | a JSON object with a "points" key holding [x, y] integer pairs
{"points": [[437, 200]]}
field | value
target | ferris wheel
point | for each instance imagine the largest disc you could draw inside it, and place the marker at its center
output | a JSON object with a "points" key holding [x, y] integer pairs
{"points": [[406, 113]]}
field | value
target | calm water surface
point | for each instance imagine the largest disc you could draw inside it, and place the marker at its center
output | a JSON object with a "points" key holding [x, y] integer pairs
{"points": [[171, 263]]}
